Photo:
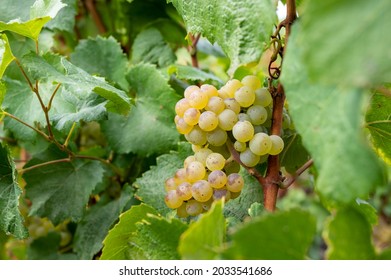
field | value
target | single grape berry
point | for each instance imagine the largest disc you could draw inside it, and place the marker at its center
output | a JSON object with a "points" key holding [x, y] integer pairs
{"points": [[195, 171], [172, 199], [201, 191], [217, 179], [215, 161], [277, 145], [243, 131], [235, 182]]}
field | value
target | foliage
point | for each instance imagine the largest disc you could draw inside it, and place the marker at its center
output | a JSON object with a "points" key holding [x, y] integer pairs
{"points": [[88, 138]]}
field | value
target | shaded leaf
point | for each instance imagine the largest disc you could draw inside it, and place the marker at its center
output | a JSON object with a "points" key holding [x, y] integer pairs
{"points": [[47, 248], [294, 154], [65, 19]]}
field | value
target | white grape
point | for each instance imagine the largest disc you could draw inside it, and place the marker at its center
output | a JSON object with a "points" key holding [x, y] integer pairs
{"points": [[277, 145], [208, 121], [252, 82], [196, 136], [263, 97], [215, 161], [245, 96], [217, 137], [227, 119], [257, 114], [260, 144], [243, 131], [249, 158]]}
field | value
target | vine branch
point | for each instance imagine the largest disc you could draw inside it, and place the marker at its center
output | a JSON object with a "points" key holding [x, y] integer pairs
{"points": [[95, 16], [193, 49], [290, 180]]}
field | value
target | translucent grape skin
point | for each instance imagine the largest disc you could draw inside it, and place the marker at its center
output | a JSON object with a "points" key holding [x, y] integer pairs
{"points": [[260, 144], [198, 99], [243, 131], [217, 179], [191, 116], [181, 211], [209, 90], [189, 90], [172, 199], [202, 154], [245, 96], [196, 136], [215, 161], [251, 81], [248, 158], [201, 191], [184, 191], [277, 145], [235, 182], [240, 146], [195, 171], [182, 127], [221, 193], [257, 114], [193, 207], [217, 137], [170, 184], [232, 104], [208, 121], [181, 106], [227, 119], [263, 97], [215, 104]]}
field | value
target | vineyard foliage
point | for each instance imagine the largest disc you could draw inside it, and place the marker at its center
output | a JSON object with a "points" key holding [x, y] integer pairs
{"points": [[88, 91]]}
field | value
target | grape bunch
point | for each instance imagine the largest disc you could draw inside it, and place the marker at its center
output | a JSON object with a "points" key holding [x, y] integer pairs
{"points": [[239, 113]]}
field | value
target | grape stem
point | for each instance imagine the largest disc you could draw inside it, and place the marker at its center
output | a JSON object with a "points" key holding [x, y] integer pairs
{"points": [[193, 49], [95, 16], [291, 179]]}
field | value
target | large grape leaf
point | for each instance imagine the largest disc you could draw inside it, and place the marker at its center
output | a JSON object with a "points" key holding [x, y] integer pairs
{"points": [[59, 70], [61, 190], [65, 19], [94, 226], [378, 120], [103, 57], [149, 46], [348, 236], [149, 128], [6, 56], [47, 248], [279, 236], [193, 74], [11, 221], [239, 27], [116, 242], [41, 12], [347, 39], [203, 240], [151, 185], [330, 121], [294, 154]]}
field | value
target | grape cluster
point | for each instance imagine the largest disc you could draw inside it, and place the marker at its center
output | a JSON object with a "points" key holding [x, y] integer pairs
{"points": [[240, 111]]}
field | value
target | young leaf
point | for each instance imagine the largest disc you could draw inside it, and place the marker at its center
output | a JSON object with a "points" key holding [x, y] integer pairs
{"points": [[192, 74], [116, 242], [239, 27], [149, 46], [103, 57], [348, 236], [151, 185], [352, 45], [149, 128], [95, 224], [329, 120], [378, 121], [6, 56], [11, 221], [279, 236], [61, 190], [204, 238], [41, 12]]}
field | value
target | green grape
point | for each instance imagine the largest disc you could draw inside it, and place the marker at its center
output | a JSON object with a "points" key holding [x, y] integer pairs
{"points": [[260, 144], [188, 160], [245, 96], [198, 99], [189, 90], [181, 211], [277, 145], [227, 119], [196, 136], [232, 104], [207, 205], [172, 199], [260, 128], [215, 161], [244, 117], [224, 93], [202, 154], [208, 121], [181, 106], [217, 137], [217, 179], [240, 146], [195, 171], [243, 131], [249, 158], [263, 97], [191, 116], [221, 193], [184, 191], [257, 114], [193, 207], [286, 121], [232, 167], [201, 191], [252, 82], [209, 90], [235, 182], [215, 104], [182, 127], [170, 184], [195, 148], [231, 86], [180, 176]]}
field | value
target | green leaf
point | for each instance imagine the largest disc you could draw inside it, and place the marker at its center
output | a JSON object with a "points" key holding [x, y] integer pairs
{"points": [[3, 89], [57, 69], [103, 57], [348, 236], [239, 27], [95, 225], [65, 19], [117, 241], [13, 9], [149, 46], [151, 185], [6, 56], [367, 210], [278, 236], [204, 238], [149, 128], [378, 120], [329, 120], [294, 154], [252, 192], [41, 12], [193, 74], [359, 23], [11, 221], [46, 248], [61, 190]]}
